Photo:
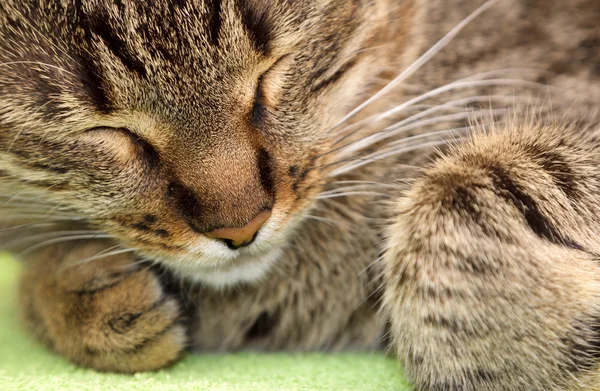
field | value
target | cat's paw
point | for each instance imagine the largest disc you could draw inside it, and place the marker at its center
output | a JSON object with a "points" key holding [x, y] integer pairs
{"points": [[107, 314], [491, 277]]}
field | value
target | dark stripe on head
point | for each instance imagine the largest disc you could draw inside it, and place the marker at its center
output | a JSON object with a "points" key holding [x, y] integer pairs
{"points": [[254, 16], [214, 21], [92, 79], [47, 96], [99, 25]]}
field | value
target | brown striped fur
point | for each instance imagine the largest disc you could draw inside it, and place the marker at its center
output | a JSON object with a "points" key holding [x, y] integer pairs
{"points": [[139, 128]]}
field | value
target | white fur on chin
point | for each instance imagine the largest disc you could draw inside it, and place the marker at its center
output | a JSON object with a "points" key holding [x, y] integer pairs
{"points": [[249, 272]]}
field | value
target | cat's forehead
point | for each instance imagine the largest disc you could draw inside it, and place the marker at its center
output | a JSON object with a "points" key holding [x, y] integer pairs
{"points": [[188, 61], [193, 50], [215, 27], [192, 43]]}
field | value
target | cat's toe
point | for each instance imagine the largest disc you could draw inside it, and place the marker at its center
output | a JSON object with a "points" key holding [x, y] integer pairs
{"points": [[110, 315], [130, 326], [127, 314]]}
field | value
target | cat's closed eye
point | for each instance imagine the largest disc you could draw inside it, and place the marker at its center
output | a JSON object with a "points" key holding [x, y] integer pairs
{"points": [[268, 86], [123, 143]]}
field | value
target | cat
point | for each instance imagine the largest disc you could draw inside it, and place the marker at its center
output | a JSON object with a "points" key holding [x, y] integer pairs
{"points": [[219, 175]]}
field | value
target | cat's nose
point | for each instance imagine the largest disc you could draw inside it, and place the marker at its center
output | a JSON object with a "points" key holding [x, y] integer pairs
{"points": [[235, 238]]}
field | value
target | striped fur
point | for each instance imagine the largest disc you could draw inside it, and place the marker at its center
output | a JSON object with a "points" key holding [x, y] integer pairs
{"points": [[131, 129]]}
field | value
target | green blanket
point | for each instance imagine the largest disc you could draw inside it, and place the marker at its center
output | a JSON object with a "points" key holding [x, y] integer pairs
{"points": [[26, 365]]}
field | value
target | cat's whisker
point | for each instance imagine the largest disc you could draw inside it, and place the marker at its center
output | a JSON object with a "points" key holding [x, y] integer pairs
{"points": [[365, 155], [458, 104], [41, 213], [466, 84], [336, 203], [13, 202], [460, 84], [109, 249], [396, 129], [323, 219], [309, 186], [10, 198], [394, 183], [359, 187], [422, 60], [105, 254], [386, 154], [39, 210], [25, 226], [22, 127], [31, 210], [494, 74], [43, 64], [25, 215], [144, 260], [349, 193], [80, 263], [62, 240], [24, 195], [444, 135], [22, 205], [473, 116], [21, 195], [45, 235]]}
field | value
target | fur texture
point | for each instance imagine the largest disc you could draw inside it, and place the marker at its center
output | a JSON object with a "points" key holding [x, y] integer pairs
{"points": [[129, 131]]}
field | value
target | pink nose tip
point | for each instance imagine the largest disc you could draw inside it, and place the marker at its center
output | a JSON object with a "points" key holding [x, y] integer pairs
{"points": [[240, 237]]}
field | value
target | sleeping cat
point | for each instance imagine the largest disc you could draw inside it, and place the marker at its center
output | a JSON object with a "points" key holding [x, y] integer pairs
{"points": [[212, 175]]}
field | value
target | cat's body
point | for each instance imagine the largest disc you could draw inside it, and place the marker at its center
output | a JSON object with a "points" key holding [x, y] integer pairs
{"points": [[481, 271]]}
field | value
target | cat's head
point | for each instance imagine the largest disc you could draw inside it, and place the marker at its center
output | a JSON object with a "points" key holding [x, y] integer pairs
{"points": [[195, 131]]}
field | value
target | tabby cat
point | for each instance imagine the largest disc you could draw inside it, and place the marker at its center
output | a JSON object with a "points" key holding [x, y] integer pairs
{"points": [[218, 175]]}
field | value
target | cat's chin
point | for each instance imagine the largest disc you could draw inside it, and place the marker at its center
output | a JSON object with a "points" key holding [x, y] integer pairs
{"points": [[249, 269], [212, 264]]}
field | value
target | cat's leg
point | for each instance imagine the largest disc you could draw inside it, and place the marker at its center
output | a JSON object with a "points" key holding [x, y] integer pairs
{"points": [[108, 314], [493, 272]]}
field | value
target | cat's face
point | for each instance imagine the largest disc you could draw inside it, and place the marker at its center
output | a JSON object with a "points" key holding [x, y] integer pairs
{"points": [[172, 125]]}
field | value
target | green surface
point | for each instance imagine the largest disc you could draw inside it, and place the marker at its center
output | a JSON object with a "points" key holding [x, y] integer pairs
{"points": [[25, 365]]}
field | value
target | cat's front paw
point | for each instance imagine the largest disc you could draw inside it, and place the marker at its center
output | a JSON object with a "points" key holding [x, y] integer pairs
{"points": [[107, 314], [492, 279]]}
